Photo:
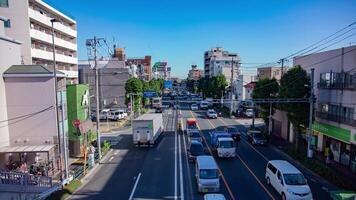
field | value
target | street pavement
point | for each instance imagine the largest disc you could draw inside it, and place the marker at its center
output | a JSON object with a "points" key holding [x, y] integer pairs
{"points": [[163, 171]]}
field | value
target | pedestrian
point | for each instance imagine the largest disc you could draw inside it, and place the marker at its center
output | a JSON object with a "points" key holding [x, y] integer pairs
{"points": [[91, 155], [327, 157]]}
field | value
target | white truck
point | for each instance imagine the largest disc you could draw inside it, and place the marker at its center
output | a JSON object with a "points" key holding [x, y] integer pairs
{"points": [[147, 128]]}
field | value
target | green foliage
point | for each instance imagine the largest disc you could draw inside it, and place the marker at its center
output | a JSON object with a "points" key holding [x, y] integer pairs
{"points": [[212, 87], [105, 147], [296, 84], [192, 85], [265, 88]]}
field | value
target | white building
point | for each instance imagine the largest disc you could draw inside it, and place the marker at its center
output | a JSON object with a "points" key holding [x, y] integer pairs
{"points": [[30, 22], [242, 93], [9, 55], [217, 61]]}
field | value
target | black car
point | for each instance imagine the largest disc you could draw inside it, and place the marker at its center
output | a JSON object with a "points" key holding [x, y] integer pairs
{"points": [[159, 110], [195, 149], [235, 133], [256, 138]]}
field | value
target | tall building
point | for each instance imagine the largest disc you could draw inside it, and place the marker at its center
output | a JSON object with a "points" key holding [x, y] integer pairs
{"points": [[270, 72], [30, 22], [217, 61], [334, 127], [10, 54], [195, 73], [143, 67], [161, 70]]}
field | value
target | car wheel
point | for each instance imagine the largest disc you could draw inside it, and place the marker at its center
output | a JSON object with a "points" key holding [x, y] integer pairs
{"points": [[283, 196], [268, 181]]}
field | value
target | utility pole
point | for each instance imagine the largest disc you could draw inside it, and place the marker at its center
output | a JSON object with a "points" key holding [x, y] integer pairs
{"points": [[253, 115], [97, 98], [231, 84], [270, 120], [282, 66], [311, 104]]}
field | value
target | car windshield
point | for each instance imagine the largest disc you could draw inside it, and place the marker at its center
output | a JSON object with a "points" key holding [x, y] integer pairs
{"points": [[258, 135], [196, 149], [294, 179], [156, 101], [208, 174], [191, 126], [211, 112], [220, 128], [226, 144]]}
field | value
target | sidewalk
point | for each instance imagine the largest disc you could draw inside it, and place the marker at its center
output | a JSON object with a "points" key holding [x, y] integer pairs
{"points": [[343, 173]]}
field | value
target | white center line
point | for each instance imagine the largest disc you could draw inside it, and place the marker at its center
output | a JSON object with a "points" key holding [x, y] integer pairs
{"points": [[134, 188], [175, 166], [180, 170]]}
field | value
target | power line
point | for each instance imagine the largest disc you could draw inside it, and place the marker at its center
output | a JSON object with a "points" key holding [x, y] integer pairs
{"points": [[30, 114]]}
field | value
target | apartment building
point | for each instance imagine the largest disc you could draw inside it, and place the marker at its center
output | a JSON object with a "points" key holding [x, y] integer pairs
{"points": [[241, 92], [195, 73], [335, 90], [217, 62], [270, 72], [10, 54], [161, 70], [142, 67], [30, 22]]}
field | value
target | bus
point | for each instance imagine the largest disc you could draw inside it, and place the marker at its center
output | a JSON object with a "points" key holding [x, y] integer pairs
{"points": [[156, 102]]}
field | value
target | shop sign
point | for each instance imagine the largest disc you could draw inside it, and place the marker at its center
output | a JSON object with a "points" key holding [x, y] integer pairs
{"points": [[333, 131]]}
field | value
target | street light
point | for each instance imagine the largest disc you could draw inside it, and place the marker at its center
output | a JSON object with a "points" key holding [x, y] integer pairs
{"points": [[60, 149]]}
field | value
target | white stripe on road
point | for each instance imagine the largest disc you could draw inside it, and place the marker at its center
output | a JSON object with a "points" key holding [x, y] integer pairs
{"points": [[175, 166], [134, 188], [188, 169], [180, 170], [112, 157]]}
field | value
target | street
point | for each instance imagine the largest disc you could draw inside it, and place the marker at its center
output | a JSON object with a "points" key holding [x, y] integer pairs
{"points": [[163, 171]]}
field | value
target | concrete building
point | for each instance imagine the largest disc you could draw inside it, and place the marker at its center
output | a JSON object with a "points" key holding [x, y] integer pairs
{"points": [[270, 72], [120, 54], [142, 66], [113, 75], [30, 93], [241, 92], [195, 73], [249, 87], [161, 70], [30, 22], [217, 61], [10, 54], [335, 89]]}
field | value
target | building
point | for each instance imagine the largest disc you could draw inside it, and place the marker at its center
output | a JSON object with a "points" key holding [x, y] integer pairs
{"points": [[113, 75], [30, 93], [335, 89], [10, 54], [161, 70], [143, 67], [30, 22], [195, 73], [120, 54], [249, 87], [241, 92], [270, 72]]}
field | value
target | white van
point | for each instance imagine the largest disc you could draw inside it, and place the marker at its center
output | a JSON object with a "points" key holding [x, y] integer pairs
{"points": [[116, 115], [214, 196], [207, 174], [288, 181]]}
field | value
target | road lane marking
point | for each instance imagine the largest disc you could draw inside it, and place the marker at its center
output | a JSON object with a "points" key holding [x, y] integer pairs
{"points": [[175, 167], [112, 157], [211, 153], [257, 179], [134, 188], [251, 172], [180, 169], [188, 169]]}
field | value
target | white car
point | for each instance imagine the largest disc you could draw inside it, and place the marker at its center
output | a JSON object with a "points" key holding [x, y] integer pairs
{"points": [[249, 112], [194, 107], [204, 105], [211, 114], [116, 115], [214, 196], [104, 114], [288, 181]]}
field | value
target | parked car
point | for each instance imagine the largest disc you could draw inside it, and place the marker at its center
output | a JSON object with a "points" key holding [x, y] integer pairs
{"points": [[256, 137], [195, 149], [249, 113], [288, 181], [104, 114], [194, 107], [211, 114], [158, 110], [234, 132], [115, 115], [214, 196]]}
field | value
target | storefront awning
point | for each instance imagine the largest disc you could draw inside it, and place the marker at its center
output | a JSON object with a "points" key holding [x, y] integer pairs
{"points": [[27, 149]]}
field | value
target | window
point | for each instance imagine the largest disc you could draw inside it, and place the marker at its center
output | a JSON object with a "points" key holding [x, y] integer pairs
{"points": [[4, 3], [7, 24], [272, 168]]}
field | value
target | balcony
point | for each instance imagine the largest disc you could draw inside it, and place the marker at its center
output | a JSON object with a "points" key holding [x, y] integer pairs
{"points": [[336, 118], [39, 35], [37, 16], [48, 55]]}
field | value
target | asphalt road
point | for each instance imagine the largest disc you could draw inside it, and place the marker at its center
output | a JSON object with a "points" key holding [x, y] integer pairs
{"points": [[163, 171]]}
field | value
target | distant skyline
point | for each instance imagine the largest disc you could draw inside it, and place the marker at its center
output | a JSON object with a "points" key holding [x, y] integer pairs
{"points": [[179, 32]]}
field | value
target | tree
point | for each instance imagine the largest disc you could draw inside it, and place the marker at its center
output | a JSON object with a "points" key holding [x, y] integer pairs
{"points": [[265, 88], [212, 87], [296, 84], [192, 85], [134, 85]]}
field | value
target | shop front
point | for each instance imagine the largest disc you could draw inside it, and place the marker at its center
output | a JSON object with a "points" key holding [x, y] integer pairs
{"points": [[336, 144]]}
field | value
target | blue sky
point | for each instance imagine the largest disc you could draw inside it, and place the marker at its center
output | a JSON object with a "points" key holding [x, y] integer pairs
{"points": [[180, 31]]}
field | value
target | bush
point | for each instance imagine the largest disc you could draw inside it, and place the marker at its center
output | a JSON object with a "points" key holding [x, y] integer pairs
{"points": [[105, 147], [66, 191]]}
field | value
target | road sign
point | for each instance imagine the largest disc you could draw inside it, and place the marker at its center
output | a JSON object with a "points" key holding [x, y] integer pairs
{"points": [[76, 123], [167, 84], [149, 94]]}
